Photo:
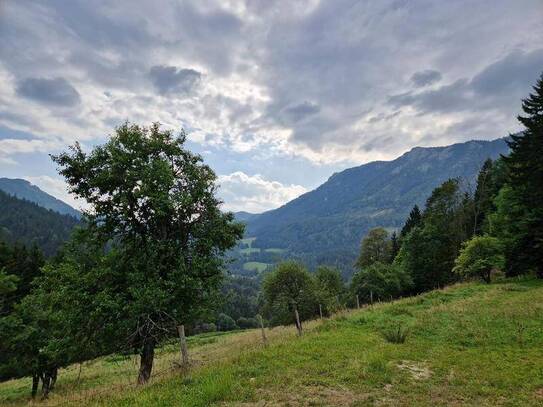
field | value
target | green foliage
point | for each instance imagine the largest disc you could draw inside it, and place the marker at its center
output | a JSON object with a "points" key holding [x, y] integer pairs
{"points": [[153, 204], [247, 323], [287, 288], [380, 281], [525, 170], [329, 287], [413, 220], [226, 323], [8, 284], [479, 256], [429, 250], [375, 247]]}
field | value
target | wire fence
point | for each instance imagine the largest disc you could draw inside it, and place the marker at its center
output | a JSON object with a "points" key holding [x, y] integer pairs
{"points": [[169, 362]]}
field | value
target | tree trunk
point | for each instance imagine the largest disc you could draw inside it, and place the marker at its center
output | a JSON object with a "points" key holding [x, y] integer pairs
{"points": [[146, 363], [46, 383], [54, 374], [487, 276], [35, 384]]}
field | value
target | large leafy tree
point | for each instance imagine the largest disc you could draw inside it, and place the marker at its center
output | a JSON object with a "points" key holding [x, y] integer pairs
{"points": [[375, 247], [525, 169], [479, 256], [153, 202]]}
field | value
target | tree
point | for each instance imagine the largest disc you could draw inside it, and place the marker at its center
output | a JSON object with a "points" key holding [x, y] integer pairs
{"points": [[483, 196], [287, 288], [329, 286], [375, 247], [394, 246], [153, 204], [380, 281], [479, 256], [428, 251], [414, 219], [8, 284], [525, 170]]}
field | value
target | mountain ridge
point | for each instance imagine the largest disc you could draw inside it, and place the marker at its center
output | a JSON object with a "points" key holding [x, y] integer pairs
{"points": [[327, 223], [23, 189]]}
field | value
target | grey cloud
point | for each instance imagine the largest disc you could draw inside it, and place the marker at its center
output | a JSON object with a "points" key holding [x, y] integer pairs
{"points": [[169, 79], [446, 99], [298, 112], [499, 86], [57, 91], [513, 75], [425, 78]]}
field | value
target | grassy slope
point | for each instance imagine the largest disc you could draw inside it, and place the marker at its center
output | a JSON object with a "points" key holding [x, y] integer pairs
{"points": [[470, 344]]}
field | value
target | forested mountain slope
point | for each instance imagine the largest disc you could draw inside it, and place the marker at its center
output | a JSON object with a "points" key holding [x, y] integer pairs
{"points": [[28, 223], [326, 224], [25, 190]]}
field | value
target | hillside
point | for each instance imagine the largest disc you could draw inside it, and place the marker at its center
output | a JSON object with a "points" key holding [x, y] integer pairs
{"points": [[470, 344], [26, 222], [326, 224], [23, 189]]}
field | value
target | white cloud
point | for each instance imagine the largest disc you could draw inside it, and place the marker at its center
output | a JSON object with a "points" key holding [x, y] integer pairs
{"points": [[242, 192]]}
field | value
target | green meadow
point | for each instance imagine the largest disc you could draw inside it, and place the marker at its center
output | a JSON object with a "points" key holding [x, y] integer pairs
{"points": [[469, 344]]}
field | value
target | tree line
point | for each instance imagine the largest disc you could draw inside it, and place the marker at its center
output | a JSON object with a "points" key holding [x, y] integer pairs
{"points": [[497, 228]]}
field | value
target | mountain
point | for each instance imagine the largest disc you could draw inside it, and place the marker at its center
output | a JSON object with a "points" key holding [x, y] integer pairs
{"points": [[28, 223], [243, 216], [23, 189], [326, 225]]}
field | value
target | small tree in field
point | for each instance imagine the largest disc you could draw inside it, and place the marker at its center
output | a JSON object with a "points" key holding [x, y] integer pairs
{"points": [[479, 256], [153, 204], [288, 288]]}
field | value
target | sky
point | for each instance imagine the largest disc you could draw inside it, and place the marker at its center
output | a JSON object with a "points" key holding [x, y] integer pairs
{"points": [[275, 95]]}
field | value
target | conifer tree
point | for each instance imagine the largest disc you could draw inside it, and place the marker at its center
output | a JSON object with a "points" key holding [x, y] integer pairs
{"points": [[525, 167], [413, 220]]}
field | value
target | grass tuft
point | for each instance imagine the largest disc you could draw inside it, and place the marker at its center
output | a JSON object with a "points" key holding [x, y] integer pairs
{"points": [[397, 334]]}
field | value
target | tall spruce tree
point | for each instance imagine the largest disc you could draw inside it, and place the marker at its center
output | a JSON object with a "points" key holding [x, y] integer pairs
{"points": [[525, 167], [413, 220]]}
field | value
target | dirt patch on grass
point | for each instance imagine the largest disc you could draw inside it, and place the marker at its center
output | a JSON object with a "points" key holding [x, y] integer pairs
{"points": [[418, 370]]}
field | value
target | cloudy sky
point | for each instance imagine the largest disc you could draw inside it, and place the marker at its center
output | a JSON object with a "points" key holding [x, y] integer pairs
{"points": [[275, 95]]}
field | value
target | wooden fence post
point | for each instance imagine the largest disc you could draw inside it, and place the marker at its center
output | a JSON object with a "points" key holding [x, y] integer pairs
{"points": [[320, 310], [357, 302], [264, 339], [183, 342], [371, 297], [298, 323]]}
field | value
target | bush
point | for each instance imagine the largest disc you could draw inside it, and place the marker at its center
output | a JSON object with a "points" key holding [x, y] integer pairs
{"points": [[246, 323], [226, 323]]}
